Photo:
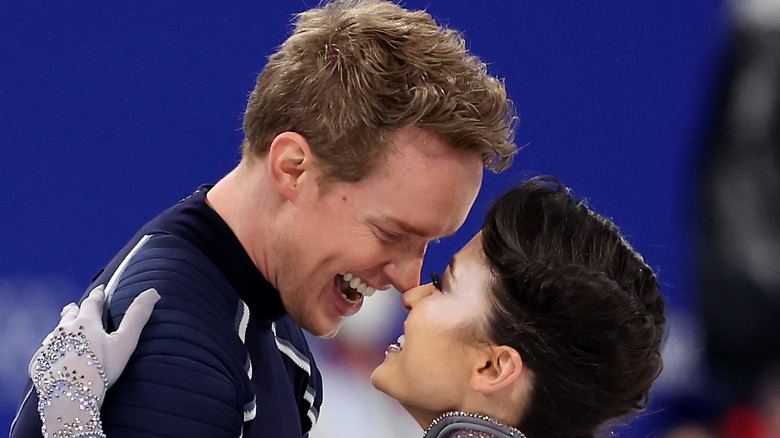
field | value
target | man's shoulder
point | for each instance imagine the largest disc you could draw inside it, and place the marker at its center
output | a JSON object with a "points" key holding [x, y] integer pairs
{"points": [[190, 361], [193, 325], [193, 290], [167, 262]]}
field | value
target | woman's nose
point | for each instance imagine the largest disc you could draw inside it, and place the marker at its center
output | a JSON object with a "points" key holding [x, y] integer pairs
{"points": [[411, 297]]}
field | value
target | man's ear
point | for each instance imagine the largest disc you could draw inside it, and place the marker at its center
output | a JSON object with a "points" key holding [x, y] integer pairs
{"points": [[291, 162], [500, 367]]}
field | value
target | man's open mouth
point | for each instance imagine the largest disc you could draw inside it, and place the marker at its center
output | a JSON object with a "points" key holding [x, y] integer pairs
{"points": [[352, 287]]}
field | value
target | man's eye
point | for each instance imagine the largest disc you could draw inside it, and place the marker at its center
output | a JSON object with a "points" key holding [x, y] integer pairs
{"points": [[388, 236], [436, 280]]}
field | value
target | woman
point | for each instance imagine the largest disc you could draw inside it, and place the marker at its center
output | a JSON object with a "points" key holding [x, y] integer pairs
{"points": [[546, 322]]}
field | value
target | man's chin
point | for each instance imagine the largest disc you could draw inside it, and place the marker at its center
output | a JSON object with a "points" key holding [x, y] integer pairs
{"points": [[324, 331], [330, 334]]}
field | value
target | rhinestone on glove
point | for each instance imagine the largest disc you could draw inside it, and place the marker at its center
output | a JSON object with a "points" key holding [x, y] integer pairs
{"points": [[69, 386]]}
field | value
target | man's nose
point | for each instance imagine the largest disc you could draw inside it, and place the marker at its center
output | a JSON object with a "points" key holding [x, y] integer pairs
{"points": [[405, 274]]}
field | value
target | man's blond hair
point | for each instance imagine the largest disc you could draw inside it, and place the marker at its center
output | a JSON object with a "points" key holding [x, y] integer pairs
{"points": [[355, 71]]}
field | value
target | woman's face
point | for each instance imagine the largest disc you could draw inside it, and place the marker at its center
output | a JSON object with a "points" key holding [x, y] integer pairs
{"points": [[429, 370]]}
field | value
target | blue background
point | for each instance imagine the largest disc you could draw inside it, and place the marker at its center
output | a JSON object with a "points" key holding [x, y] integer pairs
{"points": [[110, 112]]}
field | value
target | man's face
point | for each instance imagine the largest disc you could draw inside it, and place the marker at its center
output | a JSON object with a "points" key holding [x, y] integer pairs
{"points": [[374, 232]]}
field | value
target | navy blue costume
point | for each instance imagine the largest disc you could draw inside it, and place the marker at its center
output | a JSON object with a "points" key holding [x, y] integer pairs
{"points": [[219, 356]]}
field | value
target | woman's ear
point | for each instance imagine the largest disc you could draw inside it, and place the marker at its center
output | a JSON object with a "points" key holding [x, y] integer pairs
{"points": [[290, 162], [500, 367]]}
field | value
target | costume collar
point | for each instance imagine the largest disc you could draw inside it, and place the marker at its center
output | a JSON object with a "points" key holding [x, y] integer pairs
{"points": [[200, 225], [458, 424]]}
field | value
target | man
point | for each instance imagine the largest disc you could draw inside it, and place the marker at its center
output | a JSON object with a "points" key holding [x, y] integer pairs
{"points": [[365, 138]]}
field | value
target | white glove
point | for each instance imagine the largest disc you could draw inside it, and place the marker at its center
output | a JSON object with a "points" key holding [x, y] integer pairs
{"points": [[78, 361]]}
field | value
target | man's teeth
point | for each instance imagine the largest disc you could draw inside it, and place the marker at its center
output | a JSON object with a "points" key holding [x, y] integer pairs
{"points": [[357, 284], [401, 341]]}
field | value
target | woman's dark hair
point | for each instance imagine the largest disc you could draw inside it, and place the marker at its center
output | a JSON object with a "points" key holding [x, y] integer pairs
{"points": [[578, 303]]}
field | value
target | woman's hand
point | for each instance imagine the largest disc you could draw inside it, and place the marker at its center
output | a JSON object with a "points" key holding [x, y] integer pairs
{"points": [[78, 361]]}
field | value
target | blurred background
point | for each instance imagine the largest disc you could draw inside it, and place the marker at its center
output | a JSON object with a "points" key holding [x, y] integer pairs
{"points": [[664, 115]]}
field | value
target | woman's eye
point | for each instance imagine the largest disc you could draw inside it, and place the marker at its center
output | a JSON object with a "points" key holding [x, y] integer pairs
{"points": [[436, 280]]}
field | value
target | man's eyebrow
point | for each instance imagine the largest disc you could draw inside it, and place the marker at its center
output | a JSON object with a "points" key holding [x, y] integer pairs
{"points": [[411, 229], [408, 228]]}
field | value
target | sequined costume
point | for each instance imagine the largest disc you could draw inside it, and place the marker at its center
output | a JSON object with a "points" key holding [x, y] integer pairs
{"points": [[219, 356], [467, 425]]}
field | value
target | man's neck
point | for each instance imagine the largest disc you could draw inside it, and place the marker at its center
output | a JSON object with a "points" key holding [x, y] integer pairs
{"points": [[245, 200]]}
